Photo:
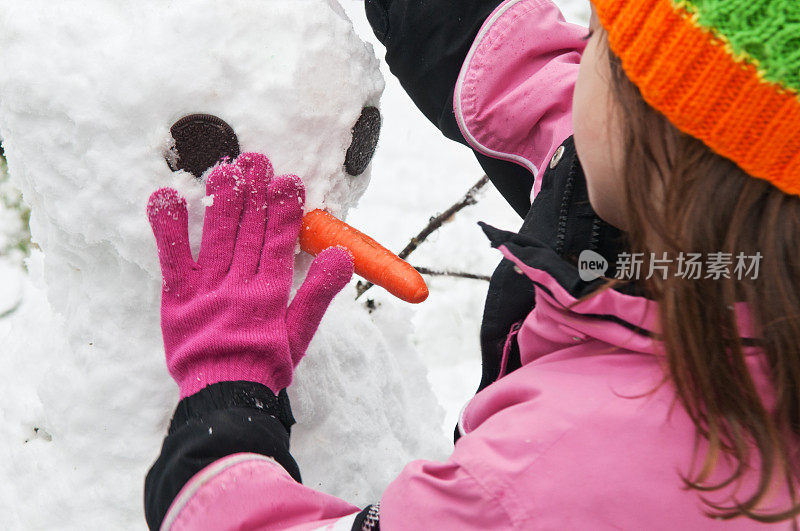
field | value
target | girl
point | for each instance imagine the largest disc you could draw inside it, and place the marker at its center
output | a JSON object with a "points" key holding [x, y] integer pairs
{"points": [[668, 397]]}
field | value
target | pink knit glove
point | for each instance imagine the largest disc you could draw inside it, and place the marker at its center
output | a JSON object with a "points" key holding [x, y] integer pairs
{"points": [[225, 317]]}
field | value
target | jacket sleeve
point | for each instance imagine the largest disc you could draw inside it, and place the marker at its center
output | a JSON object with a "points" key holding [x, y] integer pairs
{"points": [[220, 420], [225, 463], [251, 492], [431, 46], [426, 43]]}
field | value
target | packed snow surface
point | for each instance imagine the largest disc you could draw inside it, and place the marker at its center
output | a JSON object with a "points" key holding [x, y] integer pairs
{"points": [[88, 91]]}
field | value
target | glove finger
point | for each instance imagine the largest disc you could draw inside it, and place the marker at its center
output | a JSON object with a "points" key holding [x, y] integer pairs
{"points": [[285, 198], [166, 210], [220, 227], [330, 271], [257, 172]]}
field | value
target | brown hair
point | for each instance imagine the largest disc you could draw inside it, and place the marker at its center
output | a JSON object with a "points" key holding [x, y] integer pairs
{"points": [[682, 197]]}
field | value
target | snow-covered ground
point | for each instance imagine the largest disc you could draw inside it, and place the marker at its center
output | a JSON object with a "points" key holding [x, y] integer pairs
{"points": [[416, 173]]}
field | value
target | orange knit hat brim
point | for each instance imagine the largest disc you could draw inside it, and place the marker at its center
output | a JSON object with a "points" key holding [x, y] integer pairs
{"points": [[694, 79]]}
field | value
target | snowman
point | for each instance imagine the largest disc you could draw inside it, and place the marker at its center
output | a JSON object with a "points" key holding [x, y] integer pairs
{"points": [[100, 104]]}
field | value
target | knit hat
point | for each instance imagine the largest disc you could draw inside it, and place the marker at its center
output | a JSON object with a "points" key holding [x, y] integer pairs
{"points": [[724, 71]]}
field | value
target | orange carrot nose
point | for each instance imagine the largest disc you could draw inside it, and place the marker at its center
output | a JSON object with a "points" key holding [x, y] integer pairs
{"points": [[372, 261]]}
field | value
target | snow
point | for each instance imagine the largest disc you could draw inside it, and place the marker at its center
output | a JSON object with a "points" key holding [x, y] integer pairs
{"points": [[88, 91]]}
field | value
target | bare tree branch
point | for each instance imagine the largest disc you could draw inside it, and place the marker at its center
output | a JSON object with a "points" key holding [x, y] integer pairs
{"points": [[448, 273], [434, 224]]}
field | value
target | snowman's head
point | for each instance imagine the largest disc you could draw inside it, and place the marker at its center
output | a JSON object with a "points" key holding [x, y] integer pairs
{"points": [[95, 95]]}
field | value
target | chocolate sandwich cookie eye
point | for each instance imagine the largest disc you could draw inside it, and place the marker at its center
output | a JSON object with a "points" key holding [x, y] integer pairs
{"points": [[365, 140], [201, 140]]}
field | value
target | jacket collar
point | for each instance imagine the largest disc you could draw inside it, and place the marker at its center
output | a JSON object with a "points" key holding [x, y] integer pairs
{"points": [[583, 305]]}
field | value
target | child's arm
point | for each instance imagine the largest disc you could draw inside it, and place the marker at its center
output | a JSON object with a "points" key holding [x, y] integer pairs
{"points": [[230, 334], [231, 337], [509, 68]]}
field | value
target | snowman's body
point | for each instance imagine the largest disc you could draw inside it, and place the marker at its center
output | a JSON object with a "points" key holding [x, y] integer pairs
{"points": [[88, 92]]}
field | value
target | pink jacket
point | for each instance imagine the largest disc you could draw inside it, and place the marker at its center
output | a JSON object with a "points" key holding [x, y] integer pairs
{"points": [[567, 441]]}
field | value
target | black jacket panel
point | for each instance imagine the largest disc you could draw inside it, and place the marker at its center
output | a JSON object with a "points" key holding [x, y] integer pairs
{"points": [[562, 223]]}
